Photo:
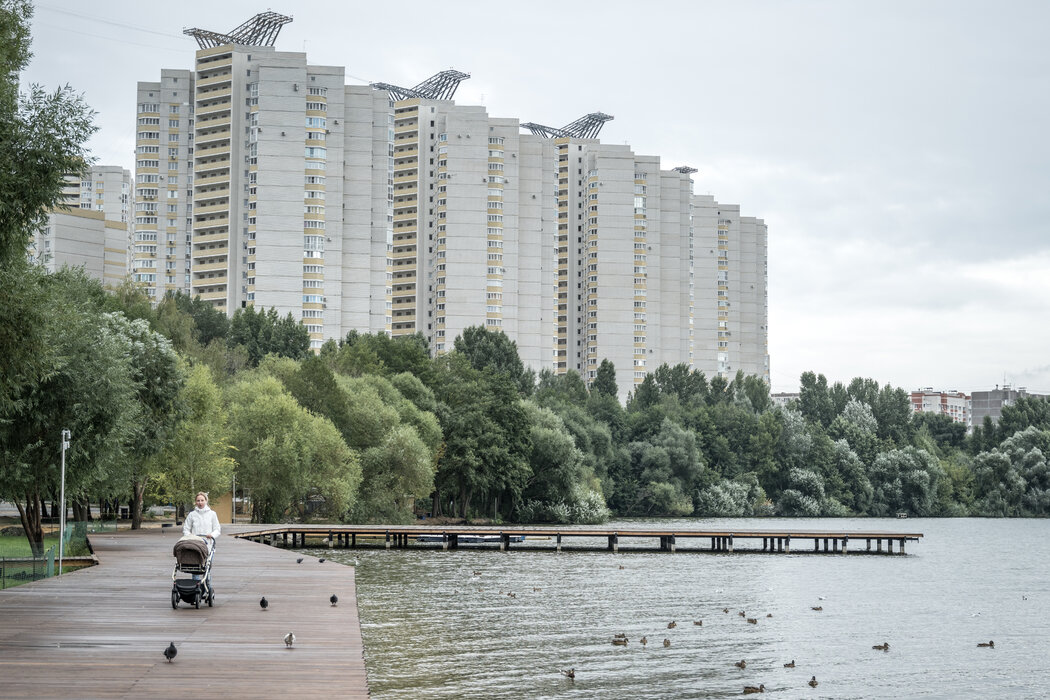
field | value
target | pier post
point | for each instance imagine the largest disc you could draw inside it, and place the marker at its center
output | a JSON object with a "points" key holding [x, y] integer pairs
{"points": [[730, 542], [845, 543], [902, 545], [868, 540], [889, 545], [388, 539], [559, 542], [353, 540], [878, 545], [825, 544], [713, 548], [444, 541], [614, 543], [835, 544], [816, 545], [787, 544], [671, 543]]}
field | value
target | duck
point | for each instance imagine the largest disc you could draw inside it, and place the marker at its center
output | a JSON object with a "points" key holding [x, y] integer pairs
{"points": [[818, 608], [644, 641], [667, 642], [885, 646], [570, 673], [671, 625], [813, 682], [769, 614], [741, 664], [986, 644], [742, 614], [790, 665], [698, 623], [725, 610], [752, 621], [749, 689], [619, 641]]}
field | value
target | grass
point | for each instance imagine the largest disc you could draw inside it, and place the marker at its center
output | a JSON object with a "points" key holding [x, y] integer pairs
{"points": [[17, 546]]}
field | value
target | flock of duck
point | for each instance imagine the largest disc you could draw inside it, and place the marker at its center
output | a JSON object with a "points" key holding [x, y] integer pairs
{"points": [[620, 640]]}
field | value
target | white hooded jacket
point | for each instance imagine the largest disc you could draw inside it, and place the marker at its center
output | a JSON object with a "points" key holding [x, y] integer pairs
{"points": [[201, 522]]}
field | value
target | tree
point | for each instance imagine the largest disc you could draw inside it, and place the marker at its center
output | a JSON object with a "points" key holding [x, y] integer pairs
{"points": [[1026, 412], [605, 380], [493, 350], [42, 138], [395, 474], [287, 456], [814, 401], [264, 332], [158, 380], [88, 387], [198, 457], [486, 437]]}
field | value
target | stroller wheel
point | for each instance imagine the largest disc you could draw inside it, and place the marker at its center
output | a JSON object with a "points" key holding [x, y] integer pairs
{"points": [[175, 599], [210, 598], [197, 600]]}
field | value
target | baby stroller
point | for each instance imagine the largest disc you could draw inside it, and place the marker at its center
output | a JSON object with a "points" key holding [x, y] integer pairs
{"points": [[192, 556]]}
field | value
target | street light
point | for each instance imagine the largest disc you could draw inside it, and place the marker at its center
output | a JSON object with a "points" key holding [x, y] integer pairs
{"points": [[62, 496]]}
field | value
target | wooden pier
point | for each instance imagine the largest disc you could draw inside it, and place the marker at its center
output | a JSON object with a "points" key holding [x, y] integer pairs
{"points": [[561, 539], [101, 632]]}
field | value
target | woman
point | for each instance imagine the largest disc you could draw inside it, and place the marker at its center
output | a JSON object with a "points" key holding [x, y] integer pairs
{"points": [[202, 521]]}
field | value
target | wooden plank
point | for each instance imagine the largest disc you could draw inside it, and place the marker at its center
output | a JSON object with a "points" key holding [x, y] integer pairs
{"points": [[101, 632]]}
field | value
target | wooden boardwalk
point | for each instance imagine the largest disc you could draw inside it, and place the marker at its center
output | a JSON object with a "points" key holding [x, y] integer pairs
{"points": [[101, 632], [610, 539]]}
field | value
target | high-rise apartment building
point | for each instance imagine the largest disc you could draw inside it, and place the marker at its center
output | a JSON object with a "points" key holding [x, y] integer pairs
{"points": [[91, 226], [160, 260], [387, 209]]}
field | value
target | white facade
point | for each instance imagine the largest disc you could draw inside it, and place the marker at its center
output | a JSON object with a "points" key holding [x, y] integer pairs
{"points": [[354, 211], [82, 238], [163, 207]]}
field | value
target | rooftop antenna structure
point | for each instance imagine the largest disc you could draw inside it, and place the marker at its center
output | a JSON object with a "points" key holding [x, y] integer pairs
{"points": [[260, 30], [685, 169], [440, 86], [586, 127]]}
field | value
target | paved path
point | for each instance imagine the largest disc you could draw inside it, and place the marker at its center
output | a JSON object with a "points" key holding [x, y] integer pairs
{"points": [[101, 632]]}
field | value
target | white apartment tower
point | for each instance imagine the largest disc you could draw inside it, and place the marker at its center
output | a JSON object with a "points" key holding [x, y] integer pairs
{"points": [[163, 203], [732, 308], [263, 180]]}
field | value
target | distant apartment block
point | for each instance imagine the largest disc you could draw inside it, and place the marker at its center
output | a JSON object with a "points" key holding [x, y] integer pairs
{"points": [[990, 403], [783, 398], [264, 180], [954, 404], [90, 228]]}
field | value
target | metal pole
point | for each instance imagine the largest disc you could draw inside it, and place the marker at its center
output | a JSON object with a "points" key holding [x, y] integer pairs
{"points": [[233, 519], [62, 497]]}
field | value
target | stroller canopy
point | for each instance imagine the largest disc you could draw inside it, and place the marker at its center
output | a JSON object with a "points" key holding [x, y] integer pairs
{"points": [[191, 551]]}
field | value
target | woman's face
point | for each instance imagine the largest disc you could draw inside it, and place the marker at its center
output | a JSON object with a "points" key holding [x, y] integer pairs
{"points": [[201, 501]]}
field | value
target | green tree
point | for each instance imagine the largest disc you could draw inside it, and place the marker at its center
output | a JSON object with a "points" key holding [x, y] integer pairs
{"points": [[395, 474], [88, 387], [1026, 412], [42, 138], [493, 350], [158, 381], [486, 434], [814, 401], [605, 380], [198, 457], [286, 456], [264, 332]]}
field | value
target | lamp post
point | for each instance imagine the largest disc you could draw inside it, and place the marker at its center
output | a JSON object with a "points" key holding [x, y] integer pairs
{"points": [[62, 497]]}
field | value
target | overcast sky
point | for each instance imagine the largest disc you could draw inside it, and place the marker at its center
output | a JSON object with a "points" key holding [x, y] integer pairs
{"points": [[897, 151]]}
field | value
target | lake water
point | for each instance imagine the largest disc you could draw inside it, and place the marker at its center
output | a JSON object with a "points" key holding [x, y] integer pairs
{"points": [[433, 629]]}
